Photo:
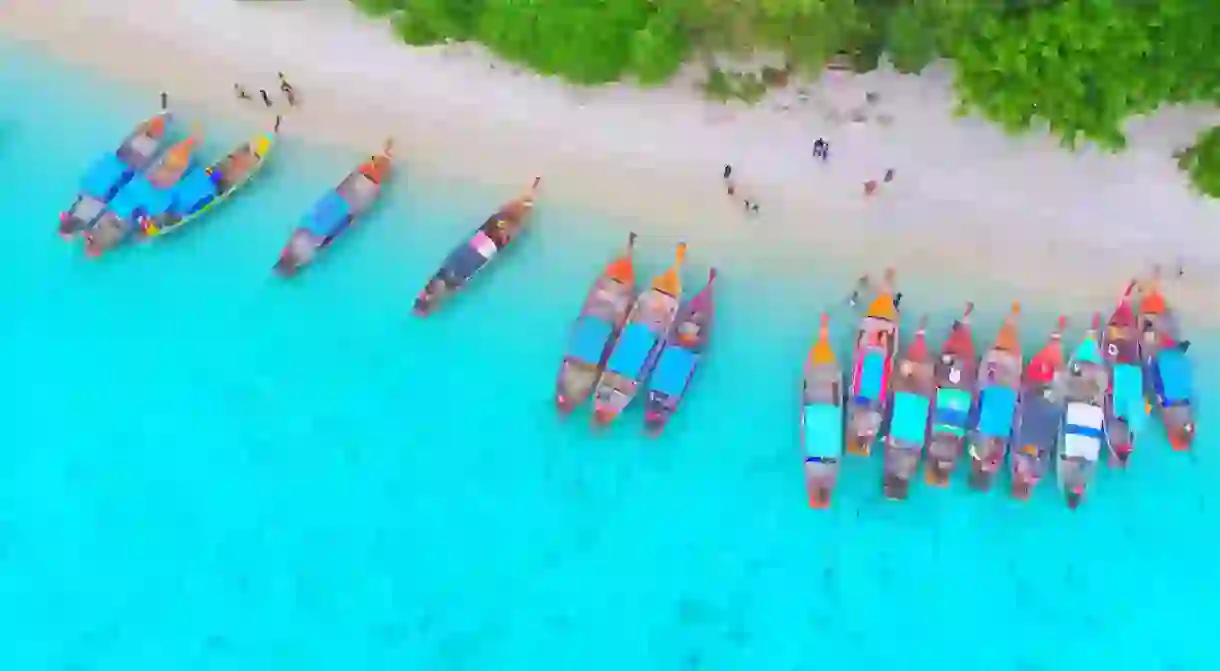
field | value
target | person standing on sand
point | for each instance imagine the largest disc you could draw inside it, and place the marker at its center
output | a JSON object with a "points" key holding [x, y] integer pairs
{"points": [[729, 186], [821, 149], [266, 98], [287, 90]]}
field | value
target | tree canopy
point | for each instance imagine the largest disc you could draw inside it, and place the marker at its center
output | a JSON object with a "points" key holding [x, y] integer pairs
{"points": [[1081, 67]]}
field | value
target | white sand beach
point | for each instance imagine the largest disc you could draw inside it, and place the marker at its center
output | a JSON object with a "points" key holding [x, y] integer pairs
{"points": [[1019, 214]]}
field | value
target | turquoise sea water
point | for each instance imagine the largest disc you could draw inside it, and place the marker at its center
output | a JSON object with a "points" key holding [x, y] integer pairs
{"points": [[204, 467]]}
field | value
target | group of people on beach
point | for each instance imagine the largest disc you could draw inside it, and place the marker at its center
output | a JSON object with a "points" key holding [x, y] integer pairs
{"points": [[285, 88]]}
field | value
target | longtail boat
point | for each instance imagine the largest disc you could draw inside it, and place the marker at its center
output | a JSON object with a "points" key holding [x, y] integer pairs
{"points": [[956, 372], [203, 188], [334, 214], [1039, 416], [148, 196], [474, 254], [1126, 408], [684, 347], [636, 350], [601, 318], [1085, 385], [872, 363], [914, 390], [999, 391], [1167, 368], [111, 172], [822, 419]]}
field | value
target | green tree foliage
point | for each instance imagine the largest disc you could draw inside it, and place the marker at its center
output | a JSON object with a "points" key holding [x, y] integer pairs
{"points": [[1084, 66], [1081, 67], [1202, 162]]}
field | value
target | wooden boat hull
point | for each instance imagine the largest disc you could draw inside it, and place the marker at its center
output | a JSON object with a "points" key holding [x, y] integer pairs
{"points": [[1035, 439], [213, 188], [333, 215], [998, 409], [476, 253], [1085, 385], [633, 356], [590, 342], [113, 171], [684, 348], [905, 442], [823, 428], [869, 391]]}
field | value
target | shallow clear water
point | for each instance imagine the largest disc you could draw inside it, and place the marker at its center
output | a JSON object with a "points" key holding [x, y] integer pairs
{"points": [[204, 467]]}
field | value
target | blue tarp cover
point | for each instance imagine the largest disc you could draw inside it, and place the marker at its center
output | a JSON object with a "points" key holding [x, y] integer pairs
{"points": [[910, 419], [953, 409], [1129, 393], [998, 405], [823, 431], [329, 215], [1173, 376], [871, 372], [194, 191], [589, 340], [134, 196], [104, 176], [1086, 431], [673, 370], [631, 351]]}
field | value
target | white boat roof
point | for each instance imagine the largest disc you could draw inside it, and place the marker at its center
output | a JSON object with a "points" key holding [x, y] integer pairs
{"points": [[1085, 414]]}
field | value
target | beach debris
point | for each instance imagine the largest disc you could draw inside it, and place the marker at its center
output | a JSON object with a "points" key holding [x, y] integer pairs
{"points": [[287, 90], [858, 116], [885, 119]]}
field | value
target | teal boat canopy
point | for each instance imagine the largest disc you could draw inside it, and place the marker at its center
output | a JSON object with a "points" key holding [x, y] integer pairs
{"points": [[589, 339], [1129, 394], [673, 371], [1173, 376], [909, 422], [823, 431], [105, 176], [872, 373], [997, 406], [952, 410], [1087, 352], [632, 351]]}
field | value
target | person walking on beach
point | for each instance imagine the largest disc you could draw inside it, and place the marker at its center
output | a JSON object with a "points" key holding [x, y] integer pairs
{"points": [[287, 90], [889, 176], [266, 98], [729, 186], [821, 149], [862, 284], [241, 92]]}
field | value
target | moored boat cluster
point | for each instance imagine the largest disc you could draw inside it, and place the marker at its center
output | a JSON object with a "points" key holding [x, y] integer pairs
{"points": [[993, 408]]}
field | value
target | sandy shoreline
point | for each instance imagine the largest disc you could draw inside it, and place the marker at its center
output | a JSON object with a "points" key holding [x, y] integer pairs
{"points": [[1019, 215]]}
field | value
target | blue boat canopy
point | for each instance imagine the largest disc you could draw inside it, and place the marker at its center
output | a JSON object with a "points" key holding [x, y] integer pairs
{"points": [[953, 410], [194, 191], [909, 422], [823, 431], [1129, 394], [106, 175], [997, 406], [588, 340], [631, 351], [1173, 376], [329, 215], [673, 370], [132, 197], [872, 369]]}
